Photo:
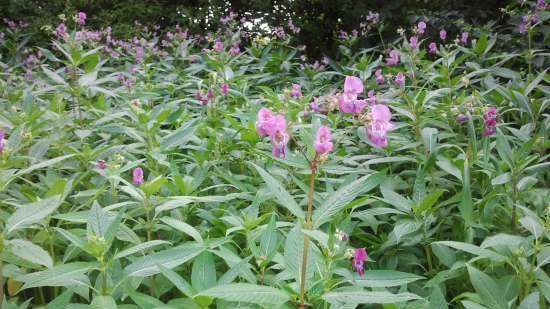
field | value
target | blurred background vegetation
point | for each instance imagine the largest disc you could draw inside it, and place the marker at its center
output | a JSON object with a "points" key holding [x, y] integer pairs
{"points": [[320, 20]]}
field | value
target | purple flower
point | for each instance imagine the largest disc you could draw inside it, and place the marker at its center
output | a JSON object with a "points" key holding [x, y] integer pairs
{"points": [[323, 140], [101, 164], [348, 102], [2, 141], [464, 38], [81, 18], [443, 34], [279, 32], [541, 5], [137, 176], [359, 257], [218, 46], [421, 27], [262, 121], [224, 88], [234, 50], [462, 118], [379, 77], [139, 54], [413, 42], [490, 117], [60, 31], [393, 59], [296, 91], [379, 125], [399, 79], [278, 135], [371, 97], [433, 48]]}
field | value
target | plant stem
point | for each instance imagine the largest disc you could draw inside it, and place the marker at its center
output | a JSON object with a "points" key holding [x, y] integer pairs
{"points": [[307, 225], [1, 272]]}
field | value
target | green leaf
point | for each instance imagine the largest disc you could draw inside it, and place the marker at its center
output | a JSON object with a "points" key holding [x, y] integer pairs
{"points": [[103, 302], [180, 283], [338, 200], [487, 289], [364, 297], [466, 206], [170, 258], [180, 136], [98, 221], [61, 301], [140, 248], [473, 249], [248, 293], [184, 228], [530, 302], [30, 252], [270, 240], [71, 274], [203, 273], [145, 301], [54, 76], [32, 213], [283, 198], [386, 278]]}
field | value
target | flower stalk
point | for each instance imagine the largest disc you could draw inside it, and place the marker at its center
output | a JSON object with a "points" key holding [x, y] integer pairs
{"points": [[307, 225]]}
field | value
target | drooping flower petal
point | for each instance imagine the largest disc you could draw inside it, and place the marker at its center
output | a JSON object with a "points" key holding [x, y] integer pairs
{"points": [[323, 140], [353, 85], [137, 176], [262, 120]]}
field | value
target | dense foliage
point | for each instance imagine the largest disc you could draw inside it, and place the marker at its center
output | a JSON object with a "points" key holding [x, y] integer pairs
{"points": [[320, 20], [174, 170]]}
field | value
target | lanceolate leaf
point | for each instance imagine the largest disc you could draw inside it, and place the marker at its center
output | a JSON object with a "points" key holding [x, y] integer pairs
{"points": [[339, 199], [169, 258], [24, 216], [364, 297], [248, 293], [282, 196]]}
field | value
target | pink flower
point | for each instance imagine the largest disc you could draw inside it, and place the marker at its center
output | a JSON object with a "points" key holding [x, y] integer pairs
{"points": [[359, 257], [490, 117], [464, 38], [393, 59], [275, 127], [81, 18], [278, 135], [323, 140], [433, 48], [224, 88], [461, 118], [348, 102], [371, 97], [296, 91], [60, 30], [137, 176], [413, 42], [442, 34], [218, 46], [379, 125], [139, 54], [101, 164], [2, 141], [262, 121], [421, 27], [234, 50], [379, 77], [399, 79], [541, 5]]}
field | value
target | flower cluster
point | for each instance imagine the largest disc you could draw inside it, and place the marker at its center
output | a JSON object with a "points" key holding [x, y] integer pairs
{"points": [[393, 58], [296, 91], [490, 116], [348, 102], [323, 141], [359, 257], [378, 124], [205, 98], [137, 178], [274, 126]]}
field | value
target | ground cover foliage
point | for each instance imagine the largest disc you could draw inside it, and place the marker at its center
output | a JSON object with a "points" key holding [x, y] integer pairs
{"points": [[192, 170]]}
